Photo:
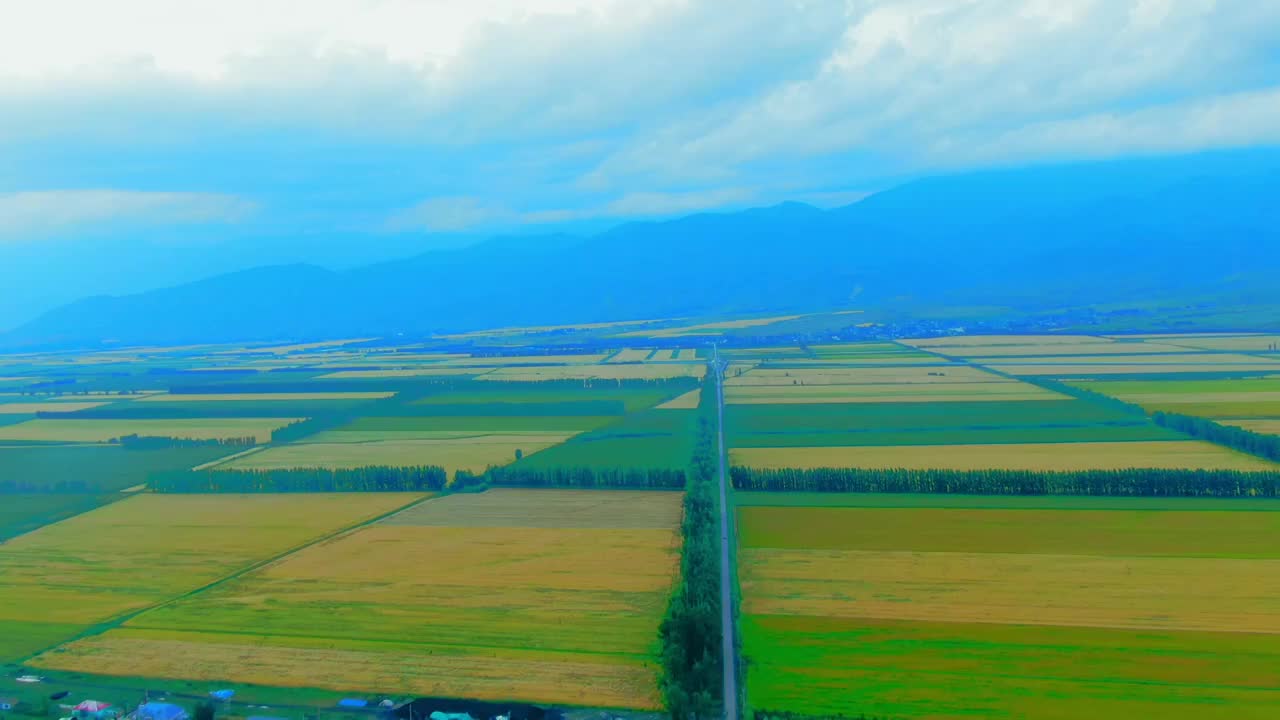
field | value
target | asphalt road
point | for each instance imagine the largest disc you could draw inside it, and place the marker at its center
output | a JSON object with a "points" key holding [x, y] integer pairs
{"points": [[726, 579]]}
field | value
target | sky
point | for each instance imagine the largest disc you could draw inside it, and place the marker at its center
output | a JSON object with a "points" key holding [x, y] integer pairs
{"points": [[149, 142]]}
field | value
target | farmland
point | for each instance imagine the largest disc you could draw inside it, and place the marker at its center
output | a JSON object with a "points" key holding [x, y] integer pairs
{"points": [[551, 596], [851, 602], [136, 552], [1175, 454], [947, 612]]}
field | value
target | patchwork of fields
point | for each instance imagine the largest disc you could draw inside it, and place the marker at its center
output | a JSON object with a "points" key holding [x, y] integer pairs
{"points": [[1028, 612], [906, 606], [550, 596]]}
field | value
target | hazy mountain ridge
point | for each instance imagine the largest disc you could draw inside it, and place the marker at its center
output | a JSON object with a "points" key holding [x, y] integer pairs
{"points": [[1132, 231]]}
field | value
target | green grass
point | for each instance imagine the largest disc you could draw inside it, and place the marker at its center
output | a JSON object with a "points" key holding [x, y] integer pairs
{"points": [[100, 468], [20, 638], [1023, 502], [827, 666]]}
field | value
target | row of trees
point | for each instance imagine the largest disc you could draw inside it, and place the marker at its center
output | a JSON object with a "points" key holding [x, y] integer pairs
{"points": [[157, 442], [1264, 446], [692, 665], [587, 477], [1127, 483], [375, 478]]}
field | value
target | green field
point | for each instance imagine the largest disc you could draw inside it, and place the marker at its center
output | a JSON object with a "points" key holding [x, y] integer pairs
{"points": [[24, 513], [955, 607], [89, 468], [660, 438]]}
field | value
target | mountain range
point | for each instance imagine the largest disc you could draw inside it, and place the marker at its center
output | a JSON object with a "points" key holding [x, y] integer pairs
{"points": [[1195, 228]]}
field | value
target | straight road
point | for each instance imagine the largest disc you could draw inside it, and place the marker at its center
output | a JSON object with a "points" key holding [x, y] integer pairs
{"points": [[729, 632]]}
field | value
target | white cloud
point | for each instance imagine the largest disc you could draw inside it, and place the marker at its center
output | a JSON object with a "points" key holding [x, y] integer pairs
{"points": [[32, 214], [448, 214]]}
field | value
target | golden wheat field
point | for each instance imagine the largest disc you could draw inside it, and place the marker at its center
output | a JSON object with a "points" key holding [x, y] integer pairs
{"points": [[1173, 454], [739, 376], [687, 401], [264, 397], [641, 371], [891, 393], [538, 595]]}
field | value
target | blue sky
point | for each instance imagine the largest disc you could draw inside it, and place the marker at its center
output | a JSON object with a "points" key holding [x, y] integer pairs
{"points": [[146, 142]]}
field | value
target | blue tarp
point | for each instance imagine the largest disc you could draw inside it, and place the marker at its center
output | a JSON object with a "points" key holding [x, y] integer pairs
{"points": [[160, 711], [353, 703], [222, 694]]}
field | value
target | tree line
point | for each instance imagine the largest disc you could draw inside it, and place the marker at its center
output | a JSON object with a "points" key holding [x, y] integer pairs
{"points": [[157, 442], [373, 478], [1118, 483], [690, 633], [587, 477], [1264, 446]]}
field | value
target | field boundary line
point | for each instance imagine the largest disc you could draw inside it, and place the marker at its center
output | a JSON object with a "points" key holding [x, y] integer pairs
{"points": [[118, 620]]}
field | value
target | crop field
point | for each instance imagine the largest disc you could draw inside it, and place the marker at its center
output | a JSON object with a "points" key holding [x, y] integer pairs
{"points": [[453, 451], [741, 376], [545, 596], [651, 439], [640, 371], [687, 401], [379, 374], [29, 408], [519, 360], [133, 553], [1220, 398], [93, 468], [630, 355], [892, 393], [1059, 456], [24, 513], [97, 431], [950, 612], [1266, 427], [264, 396]]}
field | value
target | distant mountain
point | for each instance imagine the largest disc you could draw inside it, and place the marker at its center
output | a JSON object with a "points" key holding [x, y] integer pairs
{"points": [[1134, 231]]}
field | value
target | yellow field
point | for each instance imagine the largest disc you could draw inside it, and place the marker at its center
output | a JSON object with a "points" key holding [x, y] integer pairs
{"points": [[135, 552], [30, 408], [534, 595], [1226, 361], [462, 451], [646, 371], [1266, 427], [1091, 369], [855, 376], [415, 372], [664, 356], [923, 392], [687, 401], [265, 397], [998, 340], [552, 360], [294, 348], [1175, 454], [631, 355], [96, 431], [1243, 343]]}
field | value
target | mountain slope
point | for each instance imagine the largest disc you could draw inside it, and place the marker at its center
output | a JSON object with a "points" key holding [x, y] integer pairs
{"points": [[1133, 231]]}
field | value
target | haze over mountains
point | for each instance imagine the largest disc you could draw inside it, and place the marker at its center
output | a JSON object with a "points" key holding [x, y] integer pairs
{"points": [[1195, 228]]}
